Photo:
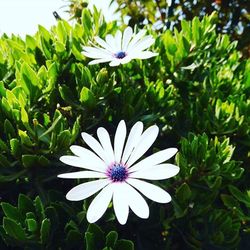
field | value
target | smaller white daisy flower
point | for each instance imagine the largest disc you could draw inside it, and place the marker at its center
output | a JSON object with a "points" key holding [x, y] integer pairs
{"points": [[118, 173], [121, 48]]}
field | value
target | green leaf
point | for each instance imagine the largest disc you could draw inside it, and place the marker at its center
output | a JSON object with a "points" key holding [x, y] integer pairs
{"points": [[32, 225], [90, 243], [239, 195], [59, 47], [102, 77], [64, 140], [75, 130], [217, 183], [183, 193], [74, 239], [29, 82], [4, 161], [196, 30], [14, 229], [45, 231], [29, 160], [52, 76], [124, 245], [2, 89], [25, 139], [43, 161], [86, 20], [87, 97], [111, 239], [45, 38], [24, 117], [66, 94], [229, 201], [52, 127], [179, 211], [15, 147], [9, 129], [25, 204], [62, 32], [30, 42], [11, 177], [52, 215], [97, 232], [39, 208], [11, 211], [3, 146], [30, 215]]}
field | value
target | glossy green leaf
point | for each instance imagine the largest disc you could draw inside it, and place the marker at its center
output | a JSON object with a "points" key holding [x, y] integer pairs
{"points": [[45, 231], [111, 239], [14, 229], [32, 225], [87, 97], [30, 160], [124, 245], [15, 147], [11, 211]]}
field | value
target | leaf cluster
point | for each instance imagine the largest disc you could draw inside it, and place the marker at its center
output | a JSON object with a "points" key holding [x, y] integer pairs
{"points": [[196, 90]]}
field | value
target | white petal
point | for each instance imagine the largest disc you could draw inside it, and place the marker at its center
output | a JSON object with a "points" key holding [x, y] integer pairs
{"points": [[87, 189], [136, 202], [118, 40], [97, 61], [81, 163], [146, 140], [151, 191], [120, 203], [120, 136], [95, 146], [110, 40], [135, 39], [96, 52], [144, 55], [82, 174], [115, 62], [91, 159], [125, 60], [104, 139], [141, 45], [103, 44], [158, 172], [97, 56], [154, 159], [133, 139], [127, 35], [100, 204]]}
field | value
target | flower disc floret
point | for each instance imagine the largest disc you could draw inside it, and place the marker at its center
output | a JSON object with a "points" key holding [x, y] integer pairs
{"points": [[117, 173], [120, 55]]}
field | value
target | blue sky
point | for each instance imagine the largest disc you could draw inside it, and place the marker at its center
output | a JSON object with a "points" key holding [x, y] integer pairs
{"points": [[22, 16]]}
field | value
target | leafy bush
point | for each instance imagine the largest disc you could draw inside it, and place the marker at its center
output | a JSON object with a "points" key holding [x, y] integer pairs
{"points": [[197, 90], [233, 15]]}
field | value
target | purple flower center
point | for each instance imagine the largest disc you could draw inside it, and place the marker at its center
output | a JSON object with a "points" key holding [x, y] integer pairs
{"points": [[120, 54], [117, 172]]}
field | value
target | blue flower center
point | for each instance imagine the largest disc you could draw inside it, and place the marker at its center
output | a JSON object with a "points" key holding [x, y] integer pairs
{"points": [[120, 54], [118, 173]]}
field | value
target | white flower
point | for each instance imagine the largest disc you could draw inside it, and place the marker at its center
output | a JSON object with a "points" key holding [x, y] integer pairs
{"points": [[118, 173], [121, 48]]}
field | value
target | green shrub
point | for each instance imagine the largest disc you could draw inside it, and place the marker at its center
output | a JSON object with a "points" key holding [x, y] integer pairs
{"points": [[197, 90]]}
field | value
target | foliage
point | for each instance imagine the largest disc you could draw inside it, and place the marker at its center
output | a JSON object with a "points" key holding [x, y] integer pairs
{"points": [[197, 90], [233, 15]]}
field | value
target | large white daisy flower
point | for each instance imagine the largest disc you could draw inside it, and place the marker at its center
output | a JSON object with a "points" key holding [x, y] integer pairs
{"points": [[121, 48], [119, 173]]}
